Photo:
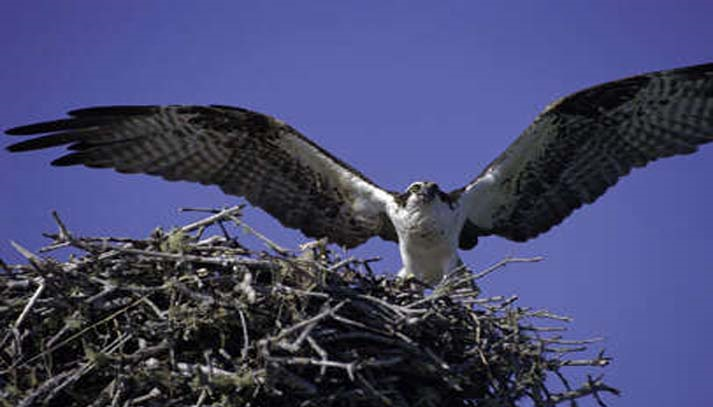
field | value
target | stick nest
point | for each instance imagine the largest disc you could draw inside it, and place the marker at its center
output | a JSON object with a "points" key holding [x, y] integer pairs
{"points": [[183, 319]]}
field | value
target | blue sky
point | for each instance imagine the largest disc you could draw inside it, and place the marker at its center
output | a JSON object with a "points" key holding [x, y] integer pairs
{"points": [[403, 91]]}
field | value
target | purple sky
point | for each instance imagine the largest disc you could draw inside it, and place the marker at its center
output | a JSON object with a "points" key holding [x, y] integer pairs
{"points": [[404, 91]]}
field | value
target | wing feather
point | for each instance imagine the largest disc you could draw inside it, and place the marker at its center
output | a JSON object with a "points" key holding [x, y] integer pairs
{"points": [[243, 152], [583, 144]]}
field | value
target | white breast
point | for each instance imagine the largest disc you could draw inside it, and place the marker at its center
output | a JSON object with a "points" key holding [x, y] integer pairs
{"points": [[428, 238]]}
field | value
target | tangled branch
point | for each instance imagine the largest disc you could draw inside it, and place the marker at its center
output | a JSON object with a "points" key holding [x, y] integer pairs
{"points": [[183, 319]]}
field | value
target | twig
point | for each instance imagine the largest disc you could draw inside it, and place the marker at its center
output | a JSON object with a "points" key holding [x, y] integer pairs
{"points": [[442, 291], [217, 217], [222, 261], [25, 311], [269, 243], [78, 334], [64, 234], [31, 257], [592, 387], [190, 308], [302, 324], [348, 367], [246, 339]]}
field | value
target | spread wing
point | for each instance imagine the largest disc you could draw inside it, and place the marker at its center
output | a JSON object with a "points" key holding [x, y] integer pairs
{"points": [[582, 144], [243, 152]]}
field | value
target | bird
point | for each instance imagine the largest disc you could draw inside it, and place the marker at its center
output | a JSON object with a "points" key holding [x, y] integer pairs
{"points": [[574, 150]]}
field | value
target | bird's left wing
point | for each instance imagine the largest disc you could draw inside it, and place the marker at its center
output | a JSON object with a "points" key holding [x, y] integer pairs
{"points": [[582, 144], [243, 152]]}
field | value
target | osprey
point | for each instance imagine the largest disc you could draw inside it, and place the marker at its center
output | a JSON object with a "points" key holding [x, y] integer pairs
{"points": [[575, 149]]}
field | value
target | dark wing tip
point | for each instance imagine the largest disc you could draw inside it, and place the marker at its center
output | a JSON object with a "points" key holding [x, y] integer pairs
{"points": [[51, 140], [68, 160], [27, 145], [16, 131], [37, 128], [15, 148], [113, 111], [70, 129], [59, 125], [83, 118]]}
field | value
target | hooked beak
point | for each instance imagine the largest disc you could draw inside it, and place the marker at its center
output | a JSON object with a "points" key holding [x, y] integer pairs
{"points": [[428, 193]]}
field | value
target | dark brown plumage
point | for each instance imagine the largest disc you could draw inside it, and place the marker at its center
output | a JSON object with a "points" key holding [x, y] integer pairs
{"points": [[244, 153], [581, 145], [576, 149]]}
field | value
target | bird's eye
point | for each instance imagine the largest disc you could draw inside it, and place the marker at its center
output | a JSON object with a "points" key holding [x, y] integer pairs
{"points": [[415, 188]]}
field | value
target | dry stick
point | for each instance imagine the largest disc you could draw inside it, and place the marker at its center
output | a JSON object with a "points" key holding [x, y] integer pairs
{"points": [[543, 328], [565, 350], [68, 268], [117, 395], [342, 263], [246, 339], [548, 315], [45, 387], [152, 394], [103, 240], [36, 262], [585, 362], [65, 237], [370, 304], [396, 309], [54, 246], [282, 287], [87, 367], [147, 352], [77, 335], [41, 287], [496, 298], [221, 261], [211, 241], [351, 260], [592, 387], [190, 369], [217, 217], [269, 243], [500, 264], [559, 340], [159, 313], [295, 346], [297, 360], [201, 398], [64, 234], [504, 304], [320, 351], [53, 385], [306, 322], [205, 210], [66, 327]]}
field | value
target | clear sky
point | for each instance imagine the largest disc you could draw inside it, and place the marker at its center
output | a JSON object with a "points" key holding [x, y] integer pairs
{"points": [[403, 90]]}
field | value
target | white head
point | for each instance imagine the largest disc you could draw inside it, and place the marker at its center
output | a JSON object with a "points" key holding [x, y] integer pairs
{"points": [[421, 193]]}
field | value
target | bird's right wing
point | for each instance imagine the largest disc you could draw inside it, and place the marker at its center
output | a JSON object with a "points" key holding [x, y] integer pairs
{"points": [[243, 152]]}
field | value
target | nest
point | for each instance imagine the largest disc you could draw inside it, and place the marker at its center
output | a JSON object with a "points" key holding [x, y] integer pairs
{"points": [[182, 318]]}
